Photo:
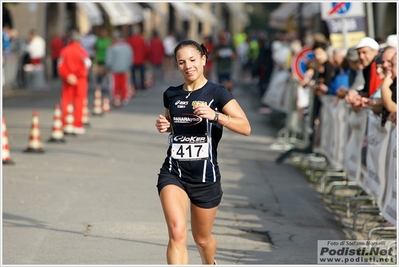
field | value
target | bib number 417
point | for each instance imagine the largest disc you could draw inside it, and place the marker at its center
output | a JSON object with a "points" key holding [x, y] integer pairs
{"points": [[183, 149]]}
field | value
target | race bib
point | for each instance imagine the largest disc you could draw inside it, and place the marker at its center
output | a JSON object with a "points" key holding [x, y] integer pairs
{"points": [[190, 147]]}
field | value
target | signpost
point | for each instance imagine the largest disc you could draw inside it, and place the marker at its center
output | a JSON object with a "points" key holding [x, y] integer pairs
{"points": [[299, 62], [342, 11]]}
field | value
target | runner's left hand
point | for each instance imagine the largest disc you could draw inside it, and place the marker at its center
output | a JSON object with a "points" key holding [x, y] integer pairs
{"points": [[204, 112]]}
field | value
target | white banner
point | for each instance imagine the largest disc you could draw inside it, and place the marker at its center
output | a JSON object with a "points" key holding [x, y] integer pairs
{"points": [[390, 199], [377, 148], [326, 127], [339, 114], [277, 90], [357, 122]]}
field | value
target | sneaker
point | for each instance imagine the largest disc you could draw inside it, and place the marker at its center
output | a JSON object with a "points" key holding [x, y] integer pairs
{"points": [[79, 130], [214, 262]]}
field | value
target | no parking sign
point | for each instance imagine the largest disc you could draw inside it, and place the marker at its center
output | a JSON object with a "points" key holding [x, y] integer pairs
{"points": [[345, 21], [300, 61], [335, 10]]}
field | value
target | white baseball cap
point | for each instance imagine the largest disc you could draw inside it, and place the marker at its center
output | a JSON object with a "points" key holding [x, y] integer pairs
{"points": [[368, 41], [392, 40]]}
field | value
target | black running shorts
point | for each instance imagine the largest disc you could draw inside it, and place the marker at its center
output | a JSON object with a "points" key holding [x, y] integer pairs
{"points": [[203, 195]]}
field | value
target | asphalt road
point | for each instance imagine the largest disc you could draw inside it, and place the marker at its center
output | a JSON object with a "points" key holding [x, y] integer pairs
{"points": [[93, 200]]}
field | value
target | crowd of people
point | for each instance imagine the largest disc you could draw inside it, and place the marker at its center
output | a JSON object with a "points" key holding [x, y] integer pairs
{"points": [[363, 75]]}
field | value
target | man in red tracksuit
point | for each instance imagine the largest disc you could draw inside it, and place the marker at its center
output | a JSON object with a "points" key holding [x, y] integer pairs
{"points": [[73, 67]]}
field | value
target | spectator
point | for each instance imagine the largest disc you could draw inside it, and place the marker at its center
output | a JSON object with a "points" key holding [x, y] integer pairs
{"points": [[101, 46], [208, 43], [280, 51], [88, 42], [140, 51], [341, 76], [323, 76], [304, 89], [245, 63], [368, 50], [253, 50], [7, 36], [389, 92], [66, 38], [326, 72], [263, 65], [356, 79], [36, 47], [56, 45], [73, 67], [223, 55], [169, 43], [156, 55], [374, 102], [118, 62]]}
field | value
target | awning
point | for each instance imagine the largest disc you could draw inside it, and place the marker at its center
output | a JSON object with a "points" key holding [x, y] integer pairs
{"points": [[118, 13], [286, 11], [309, 10], [157, 9], [238, 13], [136, 10], [203, 15], [182, 9], [93, 13]]}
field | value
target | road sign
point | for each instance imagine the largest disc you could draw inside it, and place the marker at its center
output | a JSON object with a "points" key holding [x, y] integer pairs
{"points": [[299, 62], [334, 10]]}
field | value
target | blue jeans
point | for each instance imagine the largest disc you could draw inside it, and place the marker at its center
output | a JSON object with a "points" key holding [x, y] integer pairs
{"points": [[141, 69]]}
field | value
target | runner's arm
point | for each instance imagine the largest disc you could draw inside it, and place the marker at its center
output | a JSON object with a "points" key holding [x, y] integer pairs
{"points": [[234, 118]]}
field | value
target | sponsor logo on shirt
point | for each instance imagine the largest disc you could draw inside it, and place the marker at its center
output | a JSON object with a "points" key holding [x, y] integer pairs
{"points": [[198, 103], [187, 119], [189, 139], [181, 104]]}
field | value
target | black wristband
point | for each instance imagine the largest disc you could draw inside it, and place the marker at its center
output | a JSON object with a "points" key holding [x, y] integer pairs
{"points": [[216, 116]]}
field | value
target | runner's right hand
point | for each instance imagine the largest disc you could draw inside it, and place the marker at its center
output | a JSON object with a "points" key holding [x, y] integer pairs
{"points": [[162, 124]]}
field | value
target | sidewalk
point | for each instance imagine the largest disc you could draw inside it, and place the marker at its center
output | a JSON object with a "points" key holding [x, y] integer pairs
{"points": [[93, 200]]}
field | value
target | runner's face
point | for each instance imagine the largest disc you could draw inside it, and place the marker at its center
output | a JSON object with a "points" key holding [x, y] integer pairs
{"points": [[190, 63]]}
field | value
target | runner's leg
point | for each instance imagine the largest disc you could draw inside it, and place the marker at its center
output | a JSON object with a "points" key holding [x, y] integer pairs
{"points": [[175, 207], [201, 224]]}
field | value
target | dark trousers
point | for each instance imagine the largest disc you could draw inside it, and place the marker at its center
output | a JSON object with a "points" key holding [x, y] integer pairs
{"points": [[55, 70], [141, 69]]}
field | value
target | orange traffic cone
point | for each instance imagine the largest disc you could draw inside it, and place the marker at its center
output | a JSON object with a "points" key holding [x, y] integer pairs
{"points": [[5, 153], [106, 105], [97, 106], [69, 128], [35, 143], [57, 134], [85, 113]]}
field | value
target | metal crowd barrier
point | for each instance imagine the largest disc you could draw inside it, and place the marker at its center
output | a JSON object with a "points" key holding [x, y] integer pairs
{"points": [[355, 162]]}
